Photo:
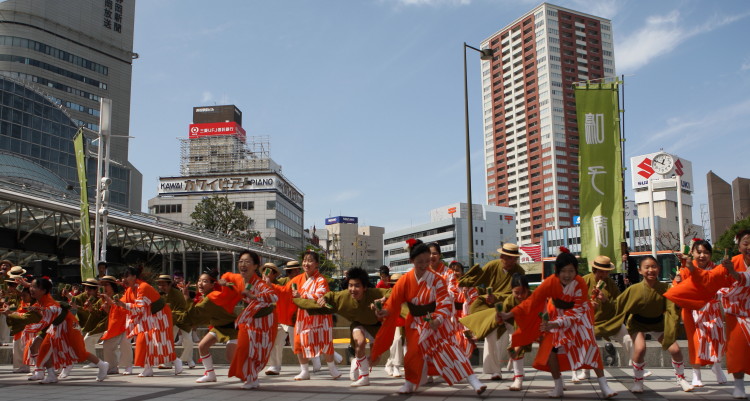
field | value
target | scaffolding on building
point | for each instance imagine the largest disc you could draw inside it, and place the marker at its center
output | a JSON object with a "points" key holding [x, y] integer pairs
{"points": [[225, 154]]}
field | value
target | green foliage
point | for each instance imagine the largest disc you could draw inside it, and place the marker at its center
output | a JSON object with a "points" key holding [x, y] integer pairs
{"points": [[726, 241], [217, 213]]}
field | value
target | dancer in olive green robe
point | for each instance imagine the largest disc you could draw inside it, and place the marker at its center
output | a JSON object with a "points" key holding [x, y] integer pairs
{"points": [[356, 305]]}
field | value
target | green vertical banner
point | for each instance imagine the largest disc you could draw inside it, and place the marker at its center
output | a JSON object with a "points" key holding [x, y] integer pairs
{"points": [[87, 254], [600, 174]]}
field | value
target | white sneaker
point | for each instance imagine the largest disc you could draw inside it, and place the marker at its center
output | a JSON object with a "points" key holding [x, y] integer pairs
{"points": [[396, 371], [128, 371], [362, 381], [147, 372], [103, 369], [517, 383], [89, 365], [250, 385], [302, 376], [584, 374], [555, 393], [207, 377], [178, 367], [407, 388], [335, 374], [37, 375], [273, 371], [49, 379], [574, 377], [637, 387], [388, 370], [647, 373], [353, 370], [191, 364], [686, 387], [65, 372], [739, 391], [696, 382], [337, 357], [476, 384]]}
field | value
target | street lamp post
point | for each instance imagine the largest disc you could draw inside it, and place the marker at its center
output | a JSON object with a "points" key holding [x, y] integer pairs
{"points": [[486, 54], [102, 180]]}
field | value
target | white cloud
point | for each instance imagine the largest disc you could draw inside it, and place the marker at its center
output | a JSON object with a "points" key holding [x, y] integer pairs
{"points": [[209, 98], [660, 35], [745, 65], [346, 195], [682, 132], [601, 8]]}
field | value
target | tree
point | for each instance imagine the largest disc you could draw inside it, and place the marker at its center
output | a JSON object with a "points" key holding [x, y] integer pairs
{"points": [[217, 213], [726, 241], [667, 240]]}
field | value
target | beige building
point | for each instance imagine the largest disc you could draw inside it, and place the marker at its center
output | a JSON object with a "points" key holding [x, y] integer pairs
{"points": [[350, 245]]}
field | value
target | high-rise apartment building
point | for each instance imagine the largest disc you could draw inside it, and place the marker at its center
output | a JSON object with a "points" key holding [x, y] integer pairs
{"points": [[529, 110], [71, 53]]}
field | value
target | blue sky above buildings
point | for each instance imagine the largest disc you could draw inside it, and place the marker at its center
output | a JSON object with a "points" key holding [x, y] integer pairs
{"points": [[363, 100]]}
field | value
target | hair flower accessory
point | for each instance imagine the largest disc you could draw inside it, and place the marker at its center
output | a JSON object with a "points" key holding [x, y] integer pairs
{"points": [[410, 243], [564, 250]]}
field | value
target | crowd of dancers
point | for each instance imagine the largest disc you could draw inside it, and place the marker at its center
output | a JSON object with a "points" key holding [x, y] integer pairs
{"points": [[429, 319]]}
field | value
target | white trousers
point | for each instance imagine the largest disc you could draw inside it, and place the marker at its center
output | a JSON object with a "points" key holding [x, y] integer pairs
{"points": [[18, 346], [188, 345], [274, 361], [495, 353], [90, 341], [396, 357], [118, 352]]}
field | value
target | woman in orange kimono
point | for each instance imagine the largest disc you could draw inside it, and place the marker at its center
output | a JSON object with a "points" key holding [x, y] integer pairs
{"points": [[429, 328], [256, 324], [566, 325], [702, 286], [149, 320], [116, 337], [705, 326], [313, 334], [63, 343]]}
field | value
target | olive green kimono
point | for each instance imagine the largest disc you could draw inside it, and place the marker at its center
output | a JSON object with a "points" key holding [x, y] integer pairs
{"points": [[178, 304], [206, 313], [648, 310], [494, 276], [606, 310]]}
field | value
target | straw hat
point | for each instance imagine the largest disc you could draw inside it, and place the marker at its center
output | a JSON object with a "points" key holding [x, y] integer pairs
{"points": [[291, 265], [12, 279], [91, 282], [602, 262], [269, 265], [16, 271], [109, 279], [509, 250], [164, 277]]}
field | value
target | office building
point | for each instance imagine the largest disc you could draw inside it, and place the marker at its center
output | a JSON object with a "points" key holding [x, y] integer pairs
{"points": [[448, 226], [530, 127], [217, 158], [351, 245], [727, 203], [71, 53]]}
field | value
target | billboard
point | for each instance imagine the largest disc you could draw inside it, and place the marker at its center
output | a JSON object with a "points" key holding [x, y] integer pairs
{"points": [[341, 219], [233, 183], [641, 171], [211, 129]]}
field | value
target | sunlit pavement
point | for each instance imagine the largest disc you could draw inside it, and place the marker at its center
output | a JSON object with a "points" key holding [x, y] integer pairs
{"points": [[81, 386]]}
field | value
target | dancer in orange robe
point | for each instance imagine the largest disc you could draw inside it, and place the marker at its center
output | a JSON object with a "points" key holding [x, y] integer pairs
{"points": [[566, 325], [702, 286], [429, 329], [256, 324], [63, 343], [313, 334], [149, 320], [705, 326]]}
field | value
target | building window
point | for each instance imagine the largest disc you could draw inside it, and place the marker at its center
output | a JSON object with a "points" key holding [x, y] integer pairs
{"points": [[250, 205], [164, 209], [271, 205]]}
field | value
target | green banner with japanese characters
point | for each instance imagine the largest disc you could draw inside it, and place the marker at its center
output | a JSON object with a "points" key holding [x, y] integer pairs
{"points": [[600, 174], [87, 254]]}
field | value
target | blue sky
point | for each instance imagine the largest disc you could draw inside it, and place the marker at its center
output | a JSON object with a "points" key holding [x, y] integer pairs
{"points": [[363, 100]]}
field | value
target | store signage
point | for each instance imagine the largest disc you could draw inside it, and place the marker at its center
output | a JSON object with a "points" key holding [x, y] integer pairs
{"points": [[213, 129], [191, 185], [641, 171], [342, 219]]}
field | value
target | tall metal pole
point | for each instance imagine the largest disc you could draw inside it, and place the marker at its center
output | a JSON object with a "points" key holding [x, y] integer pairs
{"points": [[470, 214], [103, 180]]}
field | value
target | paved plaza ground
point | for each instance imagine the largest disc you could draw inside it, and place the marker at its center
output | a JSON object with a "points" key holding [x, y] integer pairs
{"points": [[81, 386]]}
